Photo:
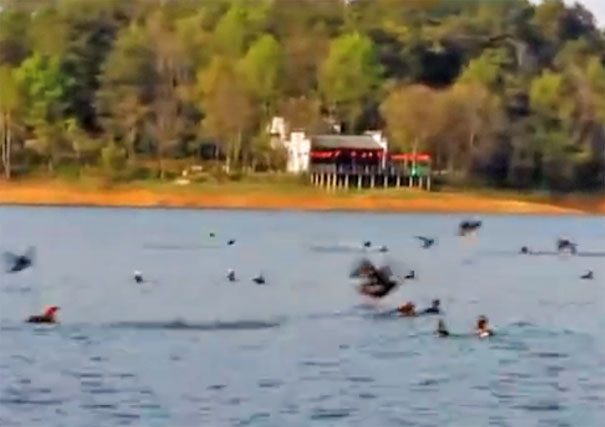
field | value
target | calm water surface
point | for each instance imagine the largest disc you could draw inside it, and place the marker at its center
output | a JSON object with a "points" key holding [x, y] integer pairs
{"points": [[190, 349]]}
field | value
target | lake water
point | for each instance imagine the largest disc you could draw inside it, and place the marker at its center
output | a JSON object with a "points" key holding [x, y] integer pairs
{"points": [[189, 348]]}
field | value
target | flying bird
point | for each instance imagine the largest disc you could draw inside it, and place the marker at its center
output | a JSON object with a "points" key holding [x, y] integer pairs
{"points": [[468, 226], [566, 245], [427, 242], [378, 282], [16, 263]]}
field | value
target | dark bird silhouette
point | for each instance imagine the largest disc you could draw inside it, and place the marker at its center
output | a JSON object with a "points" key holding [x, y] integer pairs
{"points": [[433, 309], [383, 248], [49, 316], [259, 280], [411, 275], [231, 242], [442, 329], [231, 275], [427, 242], [367, 244], [524, 250], [138, 276], [378, 282], [588, 275], [468, 226], [16, 263], [212, 235], [566, 245]]}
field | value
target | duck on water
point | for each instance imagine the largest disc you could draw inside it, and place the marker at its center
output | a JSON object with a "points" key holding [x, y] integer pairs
{"points": [[409, 309], [49, 316], [482, 328]]}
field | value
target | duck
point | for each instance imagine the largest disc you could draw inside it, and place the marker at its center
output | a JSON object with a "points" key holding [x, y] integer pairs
{"points": [[483, 330], [16, 263], [468, 226], [588, 275], [231, 275], [407, 310], [49, 316], [379, 282], [411, 275], [259, 280], [566, 245], [138, 276], [433, 309], [441, 330], [427, 242]]}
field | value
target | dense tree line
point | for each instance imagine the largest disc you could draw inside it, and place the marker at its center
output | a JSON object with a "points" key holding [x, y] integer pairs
{"points": [[503, 93]]}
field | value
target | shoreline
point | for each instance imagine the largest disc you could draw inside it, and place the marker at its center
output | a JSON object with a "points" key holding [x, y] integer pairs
{"points": [[298, 198]]}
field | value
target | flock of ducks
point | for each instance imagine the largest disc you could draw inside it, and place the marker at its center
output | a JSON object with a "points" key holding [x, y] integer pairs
{"points": [[377, 282]]}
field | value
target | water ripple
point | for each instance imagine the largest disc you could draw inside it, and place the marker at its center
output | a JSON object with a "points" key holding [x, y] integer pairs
{"points": [[209, 326]]}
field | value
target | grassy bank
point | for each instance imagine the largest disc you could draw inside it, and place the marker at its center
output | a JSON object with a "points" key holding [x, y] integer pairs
{"points": [[287, 194]]}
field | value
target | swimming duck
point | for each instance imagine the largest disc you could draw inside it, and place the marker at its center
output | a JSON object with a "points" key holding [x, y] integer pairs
{"points": [[588, 275], [411, 275], [433, 309], [483, 329], [49, 316], [442, 329], [138, 276], [259, 280], [407, 310]]}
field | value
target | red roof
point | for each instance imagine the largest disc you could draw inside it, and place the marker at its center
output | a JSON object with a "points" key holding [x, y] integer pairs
{"points": [[419, 157]]}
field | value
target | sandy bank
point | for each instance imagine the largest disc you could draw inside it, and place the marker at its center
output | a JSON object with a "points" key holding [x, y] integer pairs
{"points": [[267, 197]]}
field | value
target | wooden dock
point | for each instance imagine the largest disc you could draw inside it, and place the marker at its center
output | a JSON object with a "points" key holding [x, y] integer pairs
{"points": [[346, 177]]}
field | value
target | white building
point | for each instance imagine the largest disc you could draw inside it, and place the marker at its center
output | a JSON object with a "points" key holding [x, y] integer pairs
{"points": [[299, 145]]}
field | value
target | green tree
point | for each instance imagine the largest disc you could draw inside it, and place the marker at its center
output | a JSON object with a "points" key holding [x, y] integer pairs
{"points": [[229, 114], [10, 102], [127, 89], [262, 68], [554, 111], [13, 44], [45, 88], [172, 82], [411, 116], [487, 69], [232, 33], [349, 76]]}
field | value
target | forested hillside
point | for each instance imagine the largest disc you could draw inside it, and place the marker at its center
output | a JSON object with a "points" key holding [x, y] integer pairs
{"points": [[501, 92]]}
